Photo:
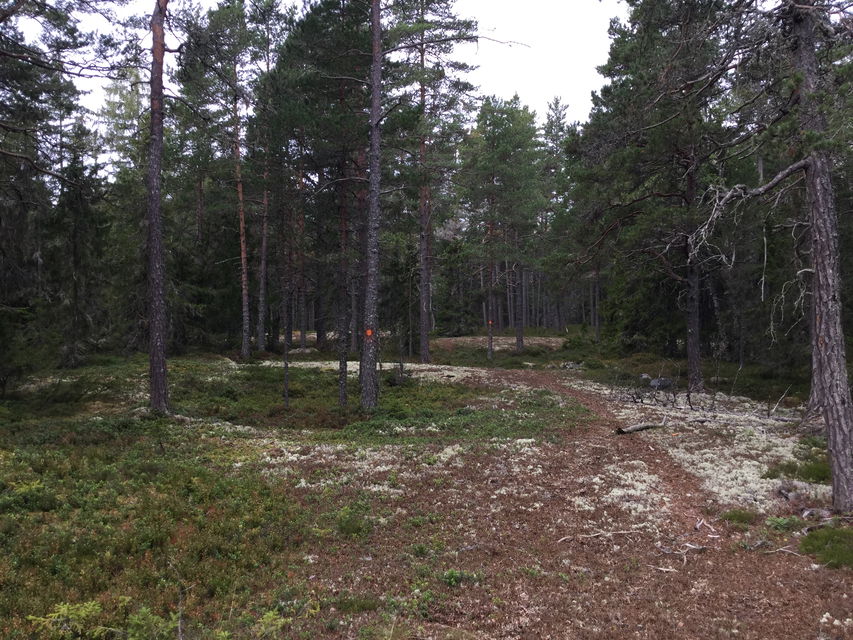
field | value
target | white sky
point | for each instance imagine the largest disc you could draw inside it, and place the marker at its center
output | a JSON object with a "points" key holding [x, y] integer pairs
{"points": [[557, 45], [565, 41]]}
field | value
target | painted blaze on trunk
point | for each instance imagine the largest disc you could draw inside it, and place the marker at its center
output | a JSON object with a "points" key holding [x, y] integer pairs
{"points": [[370, 346]]}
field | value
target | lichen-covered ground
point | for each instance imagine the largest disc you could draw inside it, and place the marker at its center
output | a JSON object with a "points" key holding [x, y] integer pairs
{"points": [[515, 513], [589, 535]]}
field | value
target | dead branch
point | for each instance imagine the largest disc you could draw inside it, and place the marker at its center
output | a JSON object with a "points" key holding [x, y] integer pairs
{"points": [[605, 533], [32, 163], [638, 427], [740, 192], [785, 550]]}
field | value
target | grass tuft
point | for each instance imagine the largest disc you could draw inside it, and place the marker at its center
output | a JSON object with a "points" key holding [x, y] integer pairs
{"points": [[832, 546], [741, 518]]}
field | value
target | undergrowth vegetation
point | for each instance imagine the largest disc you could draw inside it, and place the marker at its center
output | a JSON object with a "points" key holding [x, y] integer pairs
{"points": [[832, 546], [136, 515], [810, 463], [114, 524], [609, 362]]}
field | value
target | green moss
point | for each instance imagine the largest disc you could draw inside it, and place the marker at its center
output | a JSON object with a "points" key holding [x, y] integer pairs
{"points": [[742, 517], [455, 577], [353, 521], [780, 523], [816, 471], [350, 603], [832, 546]]}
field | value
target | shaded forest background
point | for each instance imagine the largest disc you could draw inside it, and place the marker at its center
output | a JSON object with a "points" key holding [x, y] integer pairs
{"points": [[491, 222]]}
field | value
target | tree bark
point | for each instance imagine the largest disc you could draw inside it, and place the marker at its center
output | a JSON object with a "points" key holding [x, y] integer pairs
{"points": [[829, 361], [343, 319], [425, 219], [261, 337], [695, 383], [518, 277], [596, 301], [370, 344], [199, 210], [490, 300], [159, 392], [509, 290], [246, 342]]}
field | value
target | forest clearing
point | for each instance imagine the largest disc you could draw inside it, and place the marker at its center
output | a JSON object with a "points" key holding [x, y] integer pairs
{"points": [[304, 335], [477, 503]]}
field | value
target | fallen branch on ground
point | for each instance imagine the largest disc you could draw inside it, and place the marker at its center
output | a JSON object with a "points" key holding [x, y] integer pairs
{"points": [[601, 533], [785, 550], [638, 427], [664, 569]]}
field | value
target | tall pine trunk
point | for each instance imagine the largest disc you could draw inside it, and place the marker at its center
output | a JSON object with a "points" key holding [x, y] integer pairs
{"points": [[159, 391], [518, 285], [425, 219], [425, 268], [695, 383], [246, 342], [343, 318], [490, 295], [370, 344], [829, 360], [199, 207], [261, 336]]}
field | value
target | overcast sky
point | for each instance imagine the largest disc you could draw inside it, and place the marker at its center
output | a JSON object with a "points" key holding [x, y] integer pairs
{"points": [[556, 47], [562, 43]]}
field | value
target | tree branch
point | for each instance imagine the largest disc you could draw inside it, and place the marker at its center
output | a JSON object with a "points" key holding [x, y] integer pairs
{"points": [[11, 10], [740, 192], [34, 165]]}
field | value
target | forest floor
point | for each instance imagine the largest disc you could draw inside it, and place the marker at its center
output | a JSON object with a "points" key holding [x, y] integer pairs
{"points": [[504, 505]]}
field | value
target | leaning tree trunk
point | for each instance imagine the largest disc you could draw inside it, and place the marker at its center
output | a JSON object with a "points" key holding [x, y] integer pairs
{"points": [[370, 344], [159, 400], [829, 361], [246, 342]]}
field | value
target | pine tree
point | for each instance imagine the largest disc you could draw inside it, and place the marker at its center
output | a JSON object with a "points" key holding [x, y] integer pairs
{"points": [[157, 322], [504, 188]]}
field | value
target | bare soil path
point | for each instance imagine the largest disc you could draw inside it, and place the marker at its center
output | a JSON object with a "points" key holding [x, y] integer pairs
{"points": [[590, 536]]}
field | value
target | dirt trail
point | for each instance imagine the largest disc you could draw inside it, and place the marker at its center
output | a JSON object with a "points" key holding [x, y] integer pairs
{"points": [[620, 554], [592, 536]]}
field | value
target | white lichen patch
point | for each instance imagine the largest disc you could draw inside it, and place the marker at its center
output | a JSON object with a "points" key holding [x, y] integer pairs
{"points": [[633, 489], [582, 504], [729, 442], [448, 453], [384, 488], [832, 628], [426, 372]]}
